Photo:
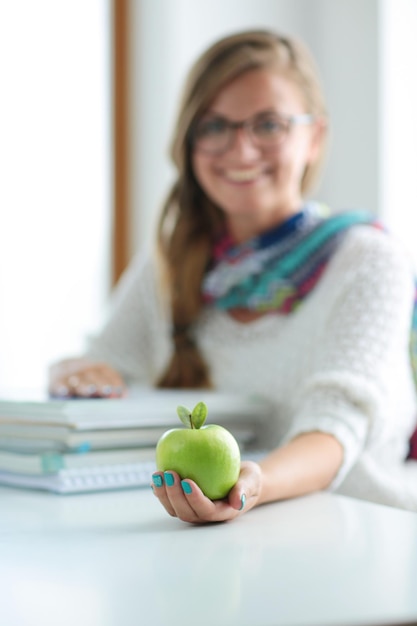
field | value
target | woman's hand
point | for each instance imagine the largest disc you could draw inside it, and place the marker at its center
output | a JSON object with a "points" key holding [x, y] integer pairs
{"points": [[307, 463], [81, 378], [185, 500]]}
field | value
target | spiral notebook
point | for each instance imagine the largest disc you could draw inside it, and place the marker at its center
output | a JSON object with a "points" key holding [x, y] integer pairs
{"points": [[85, 480]]}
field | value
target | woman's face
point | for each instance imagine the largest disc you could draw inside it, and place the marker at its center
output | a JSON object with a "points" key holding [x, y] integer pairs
{"points": [[257, 187]]}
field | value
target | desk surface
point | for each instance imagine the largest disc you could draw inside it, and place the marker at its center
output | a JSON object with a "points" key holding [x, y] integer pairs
{"points": [[117, 559]]}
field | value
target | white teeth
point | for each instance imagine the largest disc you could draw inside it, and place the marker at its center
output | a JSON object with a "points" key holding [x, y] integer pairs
{"points": [[242, 175]]}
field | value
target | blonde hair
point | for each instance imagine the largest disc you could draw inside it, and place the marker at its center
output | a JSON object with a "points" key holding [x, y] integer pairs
{"points": [[190, 221]]}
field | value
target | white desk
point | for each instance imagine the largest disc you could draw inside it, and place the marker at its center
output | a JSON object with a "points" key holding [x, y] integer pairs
{"points": [[117, 559]]}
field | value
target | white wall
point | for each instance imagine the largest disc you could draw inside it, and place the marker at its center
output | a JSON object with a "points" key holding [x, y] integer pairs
{"points": [[398, 121], [55, 191], [344, 38]]}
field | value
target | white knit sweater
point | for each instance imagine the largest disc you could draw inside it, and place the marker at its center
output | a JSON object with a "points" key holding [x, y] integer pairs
{"points": [[339, 364]]}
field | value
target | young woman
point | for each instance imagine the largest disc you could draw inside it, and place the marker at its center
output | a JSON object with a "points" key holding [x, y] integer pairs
{"points": [[256, 288]]}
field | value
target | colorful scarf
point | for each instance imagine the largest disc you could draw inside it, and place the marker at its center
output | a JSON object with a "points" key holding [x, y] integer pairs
{"points": [[278, 269]]}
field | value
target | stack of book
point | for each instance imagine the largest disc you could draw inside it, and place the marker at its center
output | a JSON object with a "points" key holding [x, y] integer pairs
{"points": [[76, 445]]}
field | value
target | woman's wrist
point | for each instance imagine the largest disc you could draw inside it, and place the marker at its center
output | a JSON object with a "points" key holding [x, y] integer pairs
{"points": [[307, 463]]}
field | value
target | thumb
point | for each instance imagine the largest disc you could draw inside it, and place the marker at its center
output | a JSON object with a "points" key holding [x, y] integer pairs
{"points": [[244, 495]]}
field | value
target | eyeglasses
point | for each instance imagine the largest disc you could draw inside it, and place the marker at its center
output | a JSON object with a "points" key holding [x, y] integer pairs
{"points": [[215, 134]]}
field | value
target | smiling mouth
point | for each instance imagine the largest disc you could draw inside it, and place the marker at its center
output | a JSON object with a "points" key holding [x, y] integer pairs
{"points": [[243, 176]]}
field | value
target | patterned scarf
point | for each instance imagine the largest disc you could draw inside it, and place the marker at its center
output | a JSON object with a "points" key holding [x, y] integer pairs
{"points": [[278, 269]]}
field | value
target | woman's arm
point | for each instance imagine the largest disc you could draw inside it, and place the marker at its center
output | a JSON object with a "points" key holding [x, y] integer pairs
{"points": [[341, 404], [305, 464]]}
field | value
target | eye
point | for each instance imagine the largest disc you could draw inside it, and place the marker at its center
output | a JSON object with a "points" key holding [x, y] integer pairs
{"points": [[211, 127], [269, 126]]}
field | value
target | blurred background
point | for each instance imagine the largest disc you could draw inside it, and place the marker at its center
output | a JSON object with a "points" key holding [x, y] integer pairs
{"points": [[89, 96]]}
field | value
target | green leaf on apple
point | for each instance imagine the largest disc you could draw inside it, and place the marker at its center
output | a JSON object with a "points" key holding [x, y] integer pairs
{"points": [[185, 415], [199, 414]]}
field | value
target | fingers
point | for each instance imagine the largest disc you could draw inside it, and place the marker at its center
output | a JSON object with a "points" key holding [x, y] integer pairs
{"points": [[184, 499], [84, 379], [98, 380]]}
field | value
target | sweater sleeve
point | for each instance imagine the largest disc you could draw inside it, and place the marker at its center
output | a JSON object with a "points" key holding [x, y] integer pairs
{"points": [[367, 334], [137, 318]]}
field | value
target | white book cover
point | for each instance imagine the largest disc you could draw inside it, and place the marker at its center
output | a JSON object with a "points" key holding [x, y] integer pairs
{"points": [[53, 462], [141, 408], [39, 438]]}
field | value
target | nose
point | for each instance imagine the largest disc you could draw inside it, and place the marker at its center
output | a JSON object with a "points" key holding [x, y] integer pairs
{"points": [[242, 144]]}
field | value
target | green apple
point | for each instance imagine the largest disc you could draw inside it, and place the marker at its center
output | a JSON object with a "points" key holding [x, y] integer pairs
{"points": [[208, 455]]}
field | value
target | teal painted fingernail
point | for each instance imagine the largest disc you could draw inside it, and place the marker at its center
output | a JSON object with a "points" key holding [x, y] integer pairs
{"points": [[242, 502], [186, 487], [157, 480], [169, 479]]}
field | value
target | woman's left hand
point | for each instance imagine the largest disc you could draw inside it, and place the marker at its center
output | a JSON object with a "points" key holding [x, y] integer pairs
{"points": [[185, 500]]}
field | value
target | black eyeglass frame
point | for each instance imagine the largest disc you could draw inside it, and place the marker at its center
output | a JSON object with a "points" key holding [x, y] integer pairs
{"points": [[289, 120]]}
